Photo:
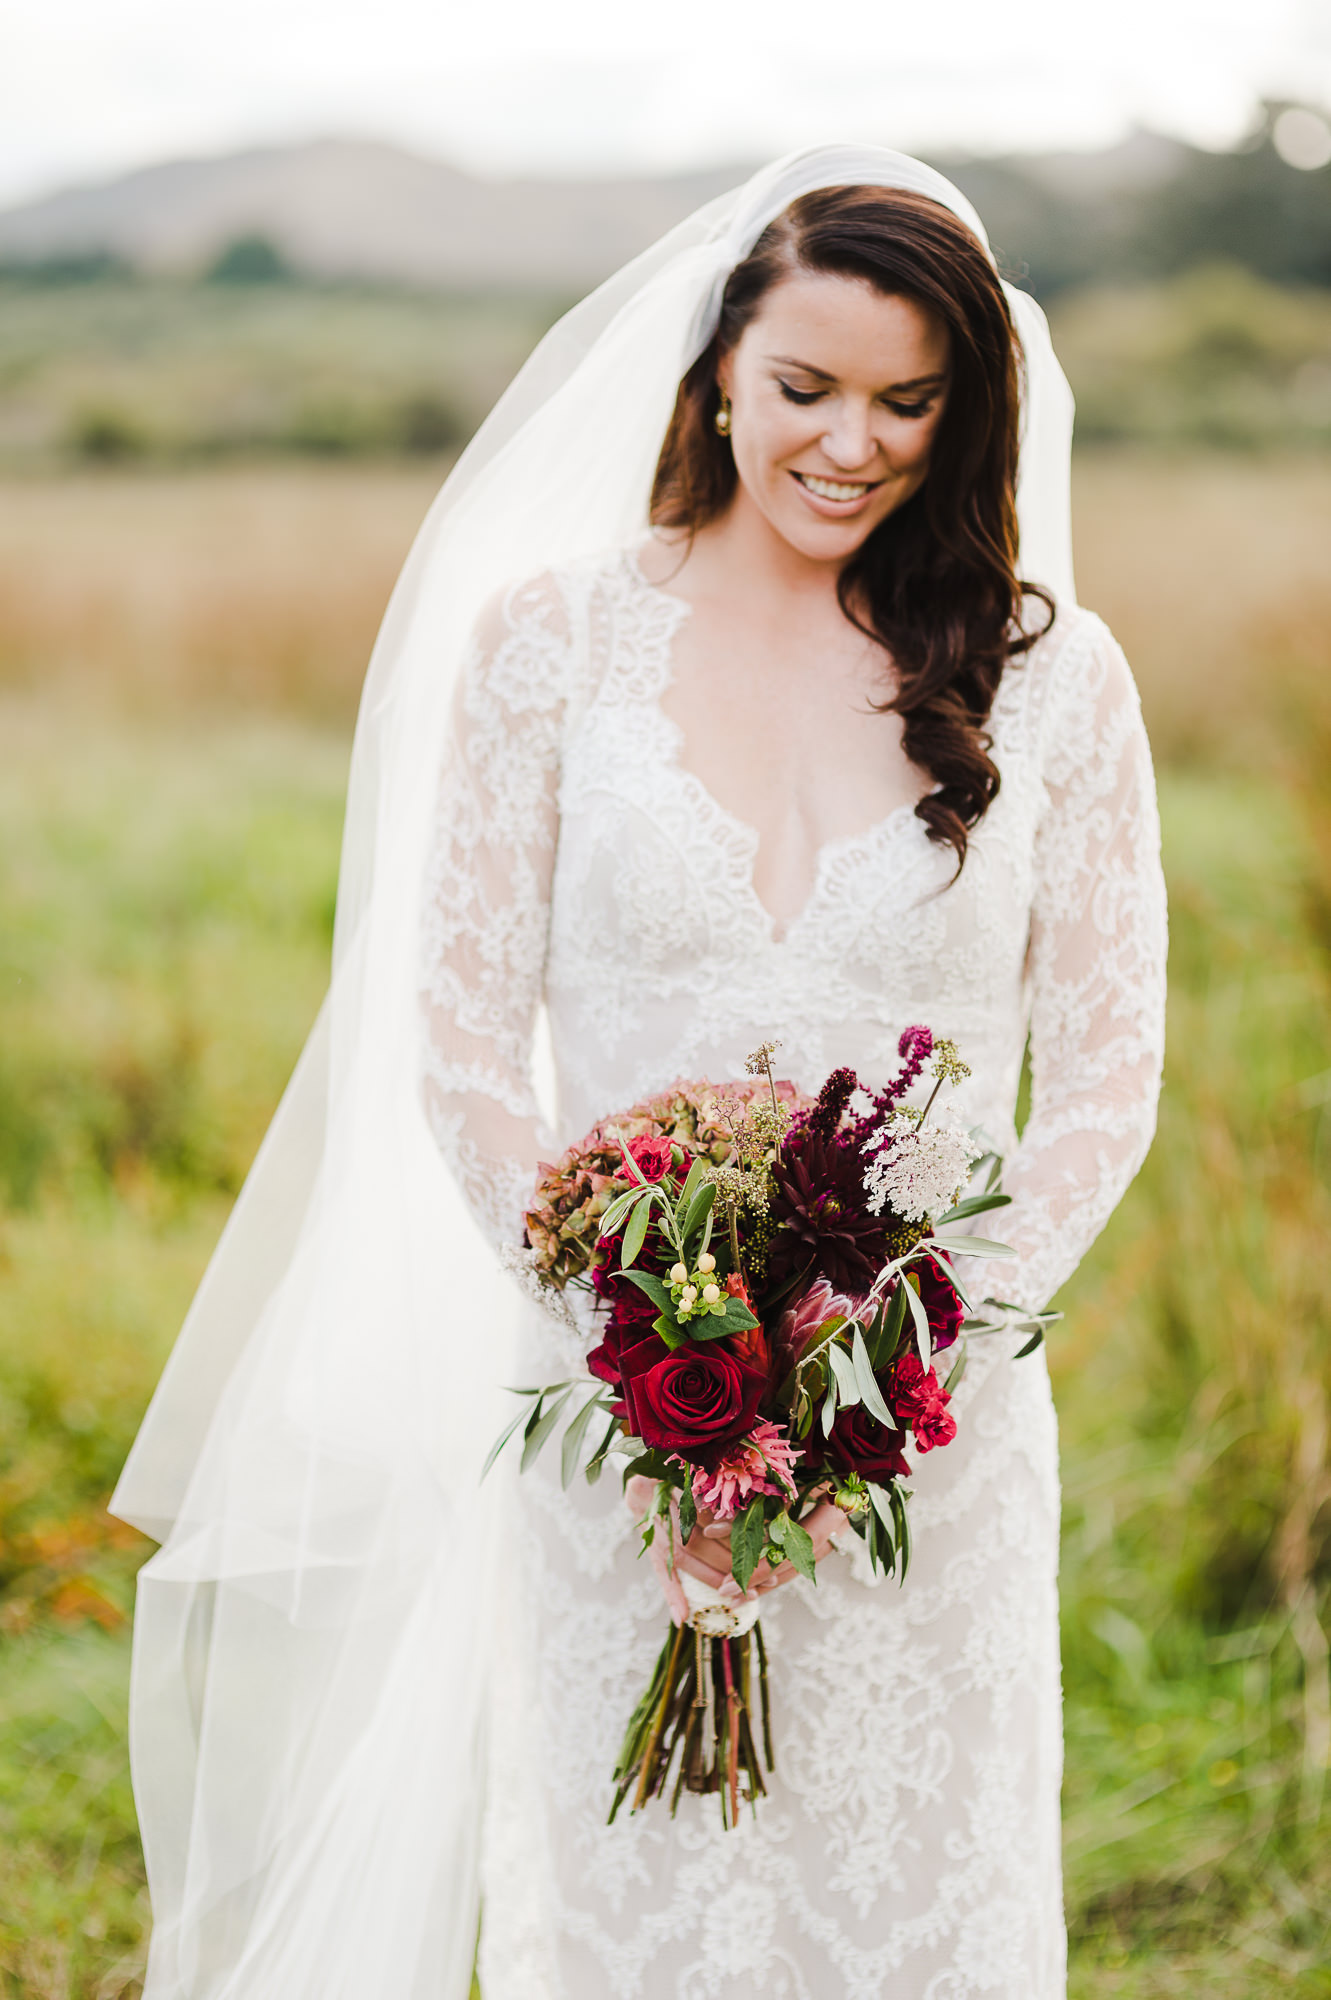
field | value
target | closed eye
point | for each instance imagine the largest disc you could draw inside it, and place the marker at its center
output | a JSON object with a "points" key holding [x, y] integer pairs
{"points": [[803, 396]]}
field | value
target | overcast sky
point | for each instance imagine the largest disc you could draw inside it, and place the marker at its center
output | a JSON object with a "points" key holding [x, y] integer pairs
{"points": [[89, 87]]}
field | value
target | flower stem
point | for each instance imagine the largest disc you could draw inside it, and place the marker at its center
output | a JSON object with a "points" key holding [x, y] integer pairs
{"points": [[644, 1781], [762, 1691], [776, 1109], [930, 1105], [732, 1732]]}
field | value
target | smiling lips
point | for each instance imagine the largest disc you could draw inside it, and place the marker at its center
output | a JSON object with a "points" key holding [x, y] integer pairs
{"points": [[841, 492]]}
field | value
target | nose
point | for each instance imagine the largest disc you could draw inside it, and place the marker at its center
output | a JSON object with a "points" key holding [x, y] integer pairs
{"points": [[848, 439]]}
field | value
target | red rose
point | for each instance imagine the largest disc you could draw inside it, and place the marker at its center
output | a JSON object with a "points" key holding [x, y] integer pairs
{"points": [[941, 1301], [859, 1443], [630, 1321], [694, 1400], [636, 1357], [917, 1398], [652, 1157]]}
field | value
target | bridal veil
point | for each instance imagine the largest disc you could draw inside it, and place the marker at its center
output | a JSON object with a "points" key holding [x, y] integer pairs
{"points": [[311, 1639]]}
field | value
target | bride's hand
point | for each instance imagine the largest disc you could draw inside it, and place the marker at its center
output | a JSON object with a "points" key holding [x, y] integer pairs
{"points": [[706, 1554], [825, 1521]]}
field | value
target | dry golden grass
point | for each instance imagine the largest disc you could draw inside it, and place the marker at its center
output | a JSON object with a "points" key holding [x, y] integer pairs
{"points": [[266, 585], [1215, 574], [258, 586]]}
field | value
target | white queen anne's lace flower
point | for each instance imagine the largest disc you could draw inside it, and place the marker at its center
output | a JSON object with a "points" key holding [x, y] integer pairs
{"points": [[923, 1169]]}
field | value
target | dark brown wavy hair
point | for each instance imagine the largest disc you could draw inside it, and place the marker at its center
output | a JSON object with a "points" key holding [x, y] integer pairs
{"points": [[935, 583]]}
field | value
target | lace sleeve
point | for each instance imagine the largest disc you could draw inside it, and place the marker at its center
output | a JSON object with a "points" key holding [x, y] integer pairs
{"points": [[486, 915], [1097, 968]]}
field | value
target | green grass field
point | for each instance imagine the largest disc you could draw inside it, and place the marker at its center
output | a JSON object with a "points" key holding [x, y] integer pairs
{"points": [[120, 369], [168, 852]]}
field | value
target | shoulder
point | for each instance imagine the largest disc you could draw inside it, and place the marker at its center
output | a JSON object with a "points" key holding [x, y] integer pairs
{"points": [[523, 643], [540, 639], [1080, 690], [551, 605]]}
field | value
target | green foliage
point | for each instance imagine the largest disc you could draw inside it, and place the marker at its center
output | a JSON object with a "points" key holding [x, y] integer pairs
{"points": [[73, 1907], [1217, 357], [120, 367], [249, 260], [107, 436], [1160, 207], [1193, 1381]]}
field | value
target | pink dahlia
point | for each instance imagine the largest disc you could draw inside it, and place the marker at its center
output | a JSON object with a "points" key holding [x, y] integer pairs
{"points": [[762, 1462]]}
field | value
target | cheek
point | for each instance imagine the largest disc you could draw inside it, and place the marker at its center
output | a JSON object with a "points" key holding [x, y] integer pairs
{"points": [[769, 442], [910, 445]]}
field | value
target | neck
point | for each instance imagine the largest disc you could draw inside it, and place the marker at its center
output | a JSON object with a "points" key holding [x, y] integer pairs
{"points": [[747, 550]]}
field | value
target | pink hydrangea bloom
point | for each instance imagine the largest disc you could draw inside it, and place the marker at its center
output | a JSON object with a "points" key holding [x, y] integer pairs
{"points": [[762, 1462]]}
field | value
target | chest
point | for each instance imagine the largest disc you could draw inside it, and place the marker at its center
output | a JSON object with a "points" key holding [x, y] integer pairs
{"points": [[699, 839], [789, 731]]}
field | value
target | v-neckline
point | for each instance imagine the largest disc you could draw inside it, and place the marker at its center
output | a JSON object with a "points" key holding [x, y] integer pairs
{"points": [[746, 837]]}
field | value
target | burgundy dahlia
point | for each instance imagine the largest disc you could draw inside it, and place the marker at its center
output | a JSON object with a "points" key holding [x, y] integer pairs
{"points": [[820, 1217]]}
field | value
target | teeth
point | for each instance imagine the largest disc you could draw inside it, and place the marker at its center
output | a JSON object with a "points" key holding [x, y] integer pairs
{"points": [[830, 489]]}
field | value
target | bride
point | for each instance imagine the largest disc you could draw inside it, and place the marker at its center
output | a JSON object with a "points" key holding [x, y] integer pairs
{"points": [[747, 631]]}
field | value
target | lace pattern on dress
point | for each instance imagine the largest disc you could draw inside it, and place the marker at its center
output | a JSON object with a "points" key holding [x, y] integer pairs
{"points": [[910, 1847]]}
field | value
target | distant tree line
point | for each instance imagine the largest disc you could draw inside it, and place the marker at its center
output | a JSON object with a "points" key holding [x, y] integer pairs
{"points": [[1188, 207], [1149, 209]]}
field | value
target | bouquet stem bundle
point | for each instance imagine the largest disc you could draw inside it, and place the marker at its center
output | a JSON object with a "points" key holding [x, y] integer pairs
{"points": [[696, 1728]]}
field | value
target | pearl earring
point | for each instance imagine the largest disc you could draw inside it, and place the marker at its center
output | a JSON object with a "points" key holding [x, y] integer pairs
{"points": [[722, 417]]}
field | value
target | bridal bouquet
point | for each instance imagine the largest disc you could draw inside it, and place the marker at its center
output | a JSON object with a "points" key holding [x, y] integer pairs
{"points": [[774, 1289]]}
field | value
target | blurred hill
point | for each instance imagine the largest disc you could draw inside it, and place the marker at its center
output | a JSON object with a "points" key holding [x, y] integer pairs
{"points": [[344, 298], [343, 208], [346, 209]]}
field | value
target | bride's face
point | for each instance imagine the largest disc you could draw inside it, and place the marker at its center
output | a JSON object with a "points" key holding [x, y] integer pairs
{"points": [[837, 392]]}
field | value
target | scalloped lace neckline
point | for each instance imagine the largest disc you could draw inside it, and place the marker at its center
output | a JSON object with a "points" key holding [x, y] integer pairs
{"points": [[739, 834]]}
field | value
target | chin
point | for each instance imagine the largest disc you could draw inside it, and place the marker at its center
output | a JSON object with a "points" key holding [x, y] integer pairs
{"points": [[823, 541]]}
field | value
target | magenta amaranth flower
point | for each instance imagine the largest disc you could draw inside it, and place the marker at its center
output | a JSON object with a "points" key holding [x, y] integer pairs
{"points": [[835, 1095], [762, 1462], [915, 1048]]}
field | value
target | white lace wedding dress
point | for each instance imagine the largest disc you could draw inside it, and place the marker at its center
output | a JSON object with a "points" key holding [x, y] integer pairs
{"points": [[910, 1844]]}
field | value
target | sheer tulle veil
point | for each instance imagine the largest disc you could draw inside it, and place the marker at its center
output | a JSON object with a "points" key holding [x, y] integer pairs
{"points": [[311, 1639]]}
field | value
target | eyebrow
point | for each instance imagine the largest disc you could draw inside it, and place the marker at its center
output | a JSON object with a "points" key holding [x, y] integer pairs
{"points": [[807, 368]]}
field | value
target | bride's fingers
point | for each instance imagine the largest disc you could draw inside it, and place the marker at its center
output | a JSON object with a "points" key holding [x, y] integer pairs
{"points": [[822, 1524], [671, 1587], [704, 1563], [825, 1521], [704, 1572]]}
